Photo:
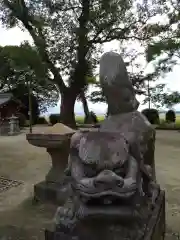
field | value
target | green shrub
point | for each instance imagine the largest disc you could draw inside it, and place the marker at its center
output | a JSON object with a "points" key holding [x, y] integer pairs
{"points": [[41, 120], [22, 119], [152, 115], [54, 118], [170, 116]]}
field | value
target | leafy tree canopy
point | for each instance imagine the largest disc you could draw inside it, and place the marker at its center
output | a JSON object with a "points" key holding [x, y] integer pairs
{"points": [[160, 97], [21, 65], [68, 34], [164, 52], [165, 49]]}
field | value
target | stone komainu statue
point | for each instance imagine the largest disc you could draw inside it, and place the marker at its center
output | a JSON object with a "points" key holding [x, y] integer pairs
{"points": [[112, 168]]}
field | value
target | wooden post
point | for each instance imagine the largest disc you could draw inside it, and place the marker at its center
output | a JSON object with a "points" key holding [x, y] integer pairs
{"points": [[30, 106]]}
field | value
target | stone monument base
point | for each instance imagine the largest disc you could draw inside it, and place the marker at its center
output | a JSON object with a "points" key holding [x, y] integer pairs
{"points": [[154, 229], [51, 192]]}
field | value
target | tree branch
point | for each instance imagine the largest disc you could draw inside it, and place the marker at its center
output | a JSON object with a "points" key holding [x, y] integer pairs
{"points": [[28, 22], [56, 7], [82, 49], [114, 34]]}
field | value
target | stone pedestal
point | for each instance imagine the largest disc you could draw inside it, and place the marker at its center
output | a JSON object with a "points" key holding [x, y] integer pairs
{"points": [[97, 229], [55, 187]]}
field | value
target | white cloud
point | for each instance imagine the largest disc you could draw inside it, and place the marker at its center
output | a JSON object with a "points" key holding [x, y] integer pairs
{"points": [[15, 36]]}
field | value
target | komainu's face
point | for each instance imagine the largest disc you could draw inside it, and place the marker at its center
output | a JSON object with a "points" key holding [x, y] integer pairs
{"points": [[103, 163]]}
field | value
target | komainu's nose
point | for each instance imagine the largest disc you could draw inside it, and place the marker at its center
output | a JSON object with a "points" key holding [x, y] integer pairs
{"points": [[109, 179]]}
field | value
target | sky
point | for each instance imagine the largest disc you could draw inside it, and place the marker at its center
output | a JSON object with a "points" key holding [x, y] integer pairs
{"points": [[15, 36]]}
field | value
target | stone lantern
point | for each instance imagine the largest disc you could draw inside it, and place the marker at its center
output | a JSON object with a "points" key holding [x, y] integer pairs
{"points": [[14, 125]]}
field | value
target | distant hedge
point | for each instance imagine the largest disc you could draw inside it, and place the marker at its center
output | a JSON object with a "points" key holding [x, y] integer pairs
{"points": [[54, 118], [152, 115], [171, 116], [22, 119], [41, 120]]}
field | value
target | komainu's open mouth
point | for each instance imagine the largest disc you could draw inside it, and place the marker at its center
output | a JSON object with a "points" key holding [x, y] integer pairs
{"points": [[96, 193]]}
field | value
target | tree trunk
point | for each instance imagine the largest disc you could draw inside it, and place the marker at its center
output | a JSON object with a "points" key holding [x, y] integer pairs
{"points": [[107, 113], [85, 105], [67, 116]]}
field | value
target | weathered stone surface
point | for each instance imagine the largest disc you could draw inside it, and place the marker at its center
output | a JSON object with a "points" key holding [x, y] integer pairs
{"points": [[52, 192], [114, 190], [10, 127], [153, 229], [55, 188], [116, 85], [14, 126]]}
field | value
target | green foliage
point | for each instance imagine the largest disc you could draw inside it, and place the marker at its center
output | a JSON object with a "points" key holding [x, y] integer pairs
{"points": [[171, 99], [97, 95], [21, 93], [163, 46], [54, 118], [171, 116], [21, 65], [22, 119], [68, 34], [164, 51], [42, 121], [160, 98], [166, 48], [24, 57], [152, 115]]}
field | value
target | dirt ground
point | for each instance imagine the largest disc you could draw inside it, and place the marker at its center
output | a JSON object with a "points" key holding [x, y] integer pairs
{"points": [[23, 219]]}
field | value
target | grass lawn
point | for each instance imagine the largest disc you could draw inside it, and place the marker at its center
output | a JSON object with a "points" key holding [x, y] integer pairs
{"points": [[178, 120], [19, 218], [80, 119], [163, 122]]}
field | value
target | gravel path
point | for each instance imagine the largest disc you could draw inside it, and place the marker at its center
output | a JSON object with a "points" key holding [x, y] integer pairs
{"points": [[21, 161]]}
